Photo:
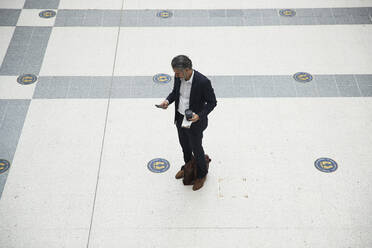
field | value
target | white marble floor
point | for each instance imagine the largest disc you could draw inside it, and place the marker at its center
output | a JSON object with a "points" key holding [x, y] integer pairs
{"points": [[79, 175]]}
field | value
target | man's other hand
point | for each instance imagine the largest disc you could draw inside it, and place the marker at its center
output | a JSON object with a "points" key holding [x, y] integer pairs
{"points": [[194, 118]]}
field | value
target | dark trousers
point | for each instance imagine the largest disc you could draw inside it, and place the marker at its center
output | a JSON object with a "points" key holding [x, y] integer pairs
{"points": [[191, 142]]}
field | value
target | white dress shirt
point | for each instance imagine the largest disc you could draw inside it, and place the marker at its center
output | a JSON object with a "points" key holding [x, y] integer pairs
{"points": [[185, 91]]}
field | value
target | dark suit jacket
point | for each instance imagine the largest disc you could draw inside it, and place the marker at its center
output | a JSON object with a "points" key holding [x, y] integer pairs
{"points": [[202, 98]]}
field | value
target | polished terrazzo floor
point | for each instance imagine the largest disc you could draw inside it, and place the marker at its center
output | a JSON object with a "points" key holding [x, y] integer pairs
{"points": [[78, 125]]}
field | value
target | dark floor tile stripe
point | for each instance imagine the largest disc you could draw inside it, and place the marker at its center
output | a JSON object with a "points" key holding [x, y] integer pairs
{"points": [[26, 51], [41, 4], [9, 17], [213, 17], [224, 86], [12, 117]]}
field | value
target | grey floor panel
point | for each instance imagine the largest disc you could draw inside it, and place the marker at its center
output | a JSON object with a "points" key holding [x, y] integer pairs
{"points": [[258, 13], [72, 87], [345, 80], [305, 12], [326, 85], [93, 18], [138, 87], [123, 92], [129, 22], [284, 86], [41, 4], [285, 92], [213, 13], [213, 17], [361, 20], [26, 51], [306, 89], [252, 17], [122, 82], [87, 18], [265, 91], [270, 20], [347, 19], [69, 18], [350, 11], [196, 21], [323, 12], [111, 18], [325, 20], [347, 85], [225, 86], [244, 90], [145, 21], [305, 20], [9, 17], [234, 13], [258, 21], [365, 84], [12, 117], [133, 13], [349, 91]]}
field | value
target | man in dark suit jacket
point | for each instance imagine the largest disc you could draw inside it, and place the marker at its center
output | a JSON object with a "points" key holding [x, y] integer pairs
{"points": [[191, 90]]}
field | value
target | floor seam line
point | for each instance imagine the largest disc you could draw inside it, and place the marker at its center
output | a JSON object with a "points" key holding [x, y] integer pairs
{"points": [[104, 130]]}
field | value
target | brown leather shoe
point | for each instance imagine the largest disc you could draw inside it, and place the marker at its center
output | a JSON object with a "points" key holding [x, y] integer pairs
{"points": [[199, 183], [180, 174]]}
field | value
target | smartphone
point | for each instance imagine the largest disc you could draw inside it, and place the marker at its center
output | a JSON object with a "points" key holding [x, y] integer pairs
{"points": [[158, 106]]}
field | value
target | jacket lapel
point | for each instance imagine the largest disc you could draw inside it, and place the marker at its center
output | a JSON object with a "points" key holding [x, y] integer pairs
{"points": [[178, 86], [193, 87]]}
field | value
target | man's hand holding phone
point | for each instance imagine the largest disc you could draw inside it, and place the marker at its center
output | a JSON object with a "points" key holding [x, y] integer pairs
{"points": [[163, 105]]}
